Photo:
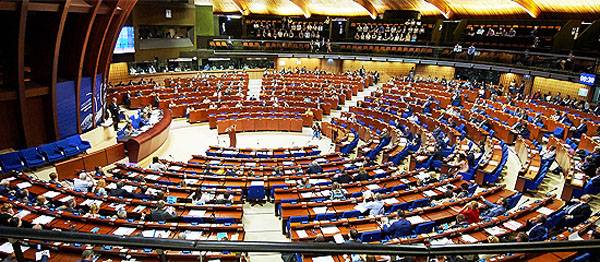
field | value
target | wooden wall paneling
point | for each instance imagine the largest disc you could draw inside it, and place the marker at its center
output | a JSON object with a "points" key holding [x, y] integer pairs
{"points": [[553, 86], [128, 8], [94, 52], [22, 9], [79, 71], [10, 135], [55, 59]]}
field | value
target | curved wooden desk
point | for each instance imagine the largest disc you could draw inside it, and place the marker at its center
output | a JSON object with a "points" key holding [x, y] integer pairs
{"points": [[146, 143], [261, 124]]}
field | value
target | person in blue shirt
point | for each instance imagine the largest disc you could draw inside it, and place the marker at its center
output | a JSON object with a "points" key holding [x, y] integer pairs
{"points": [[399, 228], [537, 229], [493, 209]]}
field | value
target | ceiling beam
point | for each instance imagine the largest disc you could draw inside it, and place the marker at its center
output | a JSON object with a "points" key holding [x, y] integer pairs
{"points": [[443, 7], [242, 6], [366, 4], [303, 4], [529, 6]]}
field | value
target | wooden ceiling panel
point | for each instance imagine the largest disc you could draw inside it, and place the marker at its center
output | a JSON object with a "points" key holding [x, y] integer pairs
{"points": [[458, 8]]}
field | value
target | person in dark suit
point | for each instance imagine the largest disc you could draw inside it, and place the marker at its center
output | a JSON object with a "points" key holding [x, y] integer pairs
{"points": [[580, 129], [520, 128], [342, 178], [161, 212], [113, 108], [537, 229], [577, 211], [398, 228], [119, 191], [591, 163]]}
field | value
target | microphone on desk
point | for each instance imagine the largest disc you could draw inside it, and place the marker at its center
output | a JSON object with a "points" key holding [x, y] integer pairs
{"points": [[549, 193], [524, 202]]}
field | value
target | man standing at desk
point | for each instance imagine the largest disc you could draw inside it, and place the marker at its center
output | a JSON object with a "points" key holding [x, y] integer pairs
{"points": [[113, 108], [232, 136]]}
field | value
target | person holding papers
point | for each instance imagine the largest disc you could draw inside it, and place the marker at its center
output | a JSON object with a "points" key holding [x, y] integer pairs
{"points": [[399, 228], [337, 192], [471, 212], [493, 209], [84, 182], [162, 212], [537, 229], [119, 191], [577, 211], [157, 165], [373, 205]]}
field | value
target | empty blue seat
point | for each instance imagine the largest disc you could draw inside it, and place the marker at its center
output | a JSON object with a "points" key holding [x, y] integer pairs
{"points": [[11, 161], [425, 227], [76, 141], [371, 236], [420, 203], [513, 200], [32, 157], [325, 216], [558, 132], [51, 152], [224, 220], [554, 219], [585, 257], [349, 214], [256, 193]]}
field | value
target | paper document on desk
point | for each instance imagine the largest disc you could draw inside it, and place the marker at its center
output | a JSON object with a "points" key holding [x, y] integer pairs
{"points": [[391, 201], [441, 241], [7, 248], [544, 210], [416, 220], [575, 236], [66, 199], [175, 168], [323, 259], [23, 213], [320, 210], [123, 231], [360, 207], [307, 194], [193, 235], [339, 238], [329, 230], [512, 225], [42, 220], [496, 231], [468, 238], [372, 186], [23, 185], [152, 177], [430, 193], [196, 213], [51, 194], [156, 233], [301, 233]]}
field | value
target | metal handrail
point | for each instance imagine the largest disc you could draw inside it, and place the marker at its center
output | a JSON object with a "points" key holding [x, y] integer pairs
{"points": [[301, 247]]}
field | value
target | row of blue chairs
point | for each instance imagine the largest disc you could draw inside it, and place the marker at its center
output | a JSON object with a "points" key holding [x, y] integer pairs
{"points": [[34, 157]]}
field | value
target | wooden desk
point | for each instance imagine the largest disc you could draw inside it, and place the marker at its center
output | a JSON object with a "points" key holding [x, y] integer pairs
{"points": [[145, 144]]}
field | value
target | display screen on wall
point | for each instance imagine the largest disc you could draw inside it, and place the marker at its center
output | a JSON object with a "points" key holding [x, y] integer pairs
{"points": [[587, 79], [125, 42]]}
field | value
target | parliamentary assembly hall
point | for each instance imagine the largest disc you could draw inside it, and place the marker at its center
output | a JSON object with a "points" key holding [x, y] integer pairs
{"points": [[300, 130]]}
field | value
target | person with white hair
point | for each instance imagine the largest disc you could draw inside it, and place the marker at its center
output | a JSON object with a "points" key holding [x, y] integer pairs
{"points": [[84, 182]]}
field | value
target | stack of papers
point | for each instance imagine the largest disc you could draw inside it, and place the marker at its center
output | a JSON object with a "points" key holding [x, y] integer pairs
{"points": [[66, 199], [193, 235], [23, 185], [391, 201], [123, 231], [468, 238], [330, 230], [42, 220], [416, 220], [320, 210], [339, 238], [496, 231], [512, 225], [196, 213], [544, 210], [323, 259], [156, 233], [51, 194], [301, 233], [372, 186], [22, 214], [430, 193]]}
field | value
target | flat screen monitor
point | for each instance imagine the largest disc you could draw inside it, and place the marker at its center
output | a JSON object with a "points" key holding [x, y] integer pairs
{"points": [[587, 79], [125, 42]]}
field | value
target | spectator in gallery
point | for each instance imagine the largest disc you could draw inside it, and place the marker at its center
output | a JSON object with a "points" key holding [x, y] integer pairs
{"points": [[471, 51]]}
